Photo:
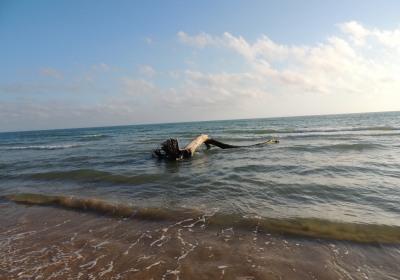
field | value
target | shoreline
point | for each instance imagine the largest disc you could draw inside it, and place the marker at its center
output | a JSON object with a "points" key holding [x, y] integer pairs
{"points": [[298, 227], [55, 242]]}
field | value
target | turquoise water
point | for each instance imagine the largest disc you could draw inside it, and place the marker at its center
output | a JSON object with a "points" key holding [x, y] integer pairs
{"points": [[327, 171]]}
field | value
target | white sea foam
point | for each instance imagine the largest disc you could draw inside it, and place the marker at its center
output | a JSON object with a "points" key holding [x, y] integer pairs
{"points": [[187, 252], [133, 244], [108, 270], [158, 240], [154, 264], [43, 147], [91, 264], [94, 135]]}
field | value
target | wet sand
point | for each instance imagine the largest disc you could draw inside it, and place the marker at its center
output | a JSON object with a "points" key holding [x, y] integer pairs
{"points": [[43, 242]]}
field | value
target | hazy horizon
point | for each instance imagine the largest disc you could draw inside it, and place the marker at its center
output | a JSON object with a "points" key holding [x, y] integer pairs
{"points": [[221, 120]]}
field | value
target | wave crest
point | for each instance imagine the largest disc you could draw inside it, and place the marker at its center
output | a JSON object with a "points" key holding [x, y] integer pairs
{"points": [[43, 147], [285, 131], [315, 228]]}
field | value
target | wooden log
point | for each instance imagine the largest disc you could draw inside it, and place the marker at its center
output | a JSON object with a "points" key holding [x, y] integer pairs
{"points": [[170, 148], [196, 143], [221, 145]]}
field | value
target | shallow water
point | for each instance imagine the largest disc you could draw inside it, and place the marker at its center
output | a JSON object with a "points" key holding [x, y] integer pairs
{"points": [[47, 242], [321, 204]]}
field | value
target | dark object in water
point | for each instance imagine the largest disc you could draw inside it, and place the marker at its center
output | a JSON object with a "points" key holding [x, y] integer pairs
{"points": [[170, 148]]}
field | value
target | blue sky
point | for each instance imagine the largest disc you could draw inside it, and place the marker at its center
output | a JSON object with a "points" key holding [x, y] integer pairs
{"points": [[67, 64]]}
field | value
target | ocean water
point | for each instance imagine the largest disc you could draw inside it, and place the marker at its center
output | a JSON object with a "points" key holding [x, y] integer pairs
{"points": [[94, 203]]}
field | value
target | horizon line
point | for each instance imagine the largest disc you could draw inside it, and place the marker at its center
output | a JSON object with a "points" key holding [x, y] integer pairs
{"points": [[109, 126]]}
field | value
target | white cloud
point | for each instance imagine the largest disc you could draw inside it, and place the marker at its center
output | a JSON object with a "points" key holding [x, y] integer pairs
{"points": [[339, 65], [149, 41], [223, 80], [174, 74], [121, 102], [191, 63], [356, 65], [356, 31], [137, 87], [193, 95], [148, 71], [388, 38], [264, 46], [291, 78], [200, 40], [50, 114], [50, 72], [200, 92], [359, 34], [101, 67]]}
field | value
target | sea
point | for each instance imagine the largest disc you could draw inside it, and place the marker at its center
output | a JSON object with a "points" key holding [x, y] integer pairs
{"points": [[94, 203]]}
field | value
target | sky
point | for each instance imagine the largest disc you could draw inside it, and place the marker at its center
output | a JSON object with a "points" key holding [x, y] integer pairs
{"points": [[70, 64]]}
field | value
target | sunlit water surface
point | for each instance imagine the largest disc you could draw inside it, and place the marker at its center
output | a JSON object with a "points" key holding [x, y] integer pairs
{"points": [[94, 203]]}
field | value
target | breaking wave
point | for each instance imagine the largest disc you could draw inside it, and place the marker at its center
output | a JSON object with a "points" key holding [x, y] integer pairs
{"points": [[97, 176], [369, 233], [43, 147], [337, 147], [270, 131], [94, 137]]}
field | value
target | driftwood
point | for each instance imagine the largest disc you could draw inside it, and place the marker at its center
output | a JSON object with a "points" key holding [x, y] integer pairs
{"points": [[170, 148]]}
